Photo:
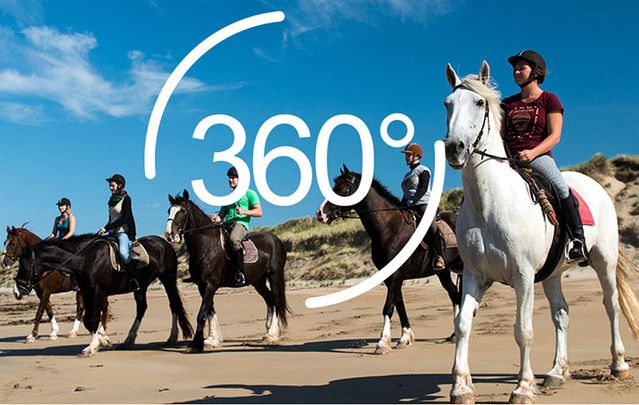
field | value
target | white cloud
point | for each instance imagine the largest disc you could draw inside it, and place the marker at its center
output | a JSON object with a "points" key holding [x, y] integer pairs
{"points": [[55, 66], [25, 12], [262, 55], [327, 14], [22, 113]]}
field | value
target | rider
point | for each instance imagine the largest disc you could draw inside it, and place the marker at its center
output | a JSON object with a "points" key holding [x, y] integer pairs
{"points": [[236, 219], [121, 222], [64, 224], [416, 188], [533, 123]]}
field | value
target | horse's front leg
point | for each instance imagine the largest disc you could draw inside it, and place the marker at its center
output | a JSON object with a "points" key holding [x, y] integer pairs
{"points": [[140, 307], [55, 329], [79, 309], [557, 375], [525, 391], [214, 338], [462, 391], [207, 291], [44, 299], [408, 337], [393, 287], [95, 303]]}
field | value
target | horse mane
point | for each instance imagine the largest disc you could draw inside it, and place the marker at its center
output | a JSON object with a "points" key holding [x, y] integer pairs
{"points": [[73, 243], [26, 232], [382, 190], [199, 216], [490, 93]]}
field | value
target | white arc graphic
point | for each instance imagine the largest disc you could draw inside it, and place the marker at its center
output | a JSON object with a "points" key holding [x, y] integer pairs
{"points": [[407, 250], [183, 67]]}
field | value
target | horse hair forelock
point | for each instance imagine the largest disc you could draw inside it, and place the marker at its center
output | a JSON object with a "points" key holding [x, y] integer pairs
{"points": [[490, 93]]}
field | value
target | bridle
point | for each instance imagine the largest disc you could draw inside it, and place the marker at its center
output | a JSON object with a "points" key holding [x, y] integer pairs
{"points": [[485, 123], [187, 219]]}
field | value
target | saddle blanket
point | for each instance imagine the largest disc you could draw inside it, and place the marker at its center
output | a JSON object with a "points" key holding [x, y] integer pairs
{"points": [[248, 248], [584, 210], [138, 254]]}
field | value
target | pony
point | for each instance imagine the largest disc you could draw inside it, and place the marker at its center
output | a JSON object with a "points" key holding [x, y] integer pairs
{"points": [[210, 270], [389, 227], [503, 236], [93, 271]]}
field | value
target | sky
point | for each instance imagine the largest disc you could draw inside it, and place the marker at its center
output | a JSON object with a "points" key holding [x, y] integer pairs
{"points": [[78, 81]]}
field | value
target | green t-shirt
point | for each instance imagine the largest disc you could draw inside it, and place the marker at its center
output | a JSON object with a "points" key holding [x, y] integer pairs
{"points": [[248, 201]]}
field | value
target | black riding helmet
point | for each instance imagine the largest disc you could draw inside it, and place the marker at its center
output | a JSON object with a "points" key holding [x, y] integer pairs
{"points": [[232, 172], [117, 179], [63, 201], [536, 61]]}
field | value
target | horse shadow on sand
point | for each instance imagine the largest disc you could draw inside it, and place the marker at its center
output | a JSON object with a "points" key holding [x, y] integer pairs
{"points": [[402, 388]]}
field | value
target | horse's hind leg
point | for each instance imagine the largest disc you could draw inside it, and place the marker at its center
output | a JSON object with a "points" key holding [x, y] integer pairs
{"points": [[79, 309], [273, 330], [140, 306], [408, 337], [559, 313], [44, 301], [95, 303], [605, 265]]}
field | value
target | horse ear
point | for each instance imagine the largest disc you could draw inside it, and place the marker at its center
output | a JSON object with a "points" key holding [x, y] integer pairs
{"points": [[185, 195], [452, 77], [9, 229], [484, 72], [346, 171], [171, 199]]}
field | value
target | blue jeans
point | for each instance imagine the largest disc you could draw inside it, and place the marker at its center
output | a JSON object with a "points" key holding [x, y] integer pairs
{"points": [[546, 165], [124, 246]]}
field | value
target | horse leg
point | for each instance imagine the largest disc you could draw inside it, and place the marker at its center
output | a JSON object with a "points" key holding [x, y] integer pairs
{"points": [[178, 313], [95, 303], [79, 308], [606, 271], [462, 391], [273, 331], [140, 306], [453, 293], [393, 289], [524, 285], [55, 329], [557, 375], [105, 340], [44, 300], [408, 337], [206, 291], [214, 338]]}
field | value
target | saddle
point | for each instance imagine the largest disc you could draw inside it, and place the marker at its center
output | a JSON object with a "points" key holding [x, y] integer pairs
{"points": [[544, 193], [251, 254], [139, 255], [446, 232]]}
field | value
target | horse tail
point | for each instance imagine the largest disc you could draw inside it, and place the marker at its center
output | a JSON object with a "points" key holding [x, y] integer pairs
{"points": [[278, 282], [626, 270]]}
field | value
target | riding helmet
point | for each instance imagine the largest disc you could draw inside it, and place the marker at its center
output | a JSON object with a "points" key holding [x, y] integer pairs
{"points": [[232, 172], [117, 179], [415, 149], [537, 63], [63, 201]]}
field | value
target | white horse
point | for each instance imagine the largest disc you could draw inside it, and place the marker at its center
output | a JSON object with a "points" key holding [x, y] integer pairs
{"points": [[503, 236]]}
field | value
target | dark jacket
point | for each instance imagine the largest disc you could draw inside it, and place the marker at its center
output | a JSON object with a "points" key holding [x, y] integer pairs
{"points": [[126, 219]]}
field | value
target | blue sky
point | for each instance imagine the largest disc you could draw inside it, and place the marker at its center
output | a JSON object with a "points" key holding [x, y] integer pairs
{"points": [[78, 81]]}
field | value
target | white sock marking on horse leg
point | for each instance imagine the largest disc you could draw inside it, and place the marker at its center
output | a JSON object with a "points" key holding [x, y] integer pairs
{"points": [[383, 346], [75, 329], [407, 338], [215, 338], [93, 347], [274, 329], [55, 329], [269, 317]]}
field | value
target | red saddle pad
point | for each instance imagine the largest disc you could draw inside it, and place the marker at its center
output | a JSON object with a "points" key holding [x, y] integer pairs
{"points": [[584, 210]]}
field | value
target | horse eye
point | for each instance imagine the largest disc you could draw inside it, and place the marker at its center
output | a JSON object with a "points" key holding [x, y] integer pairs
{"points": [[479, 103]]}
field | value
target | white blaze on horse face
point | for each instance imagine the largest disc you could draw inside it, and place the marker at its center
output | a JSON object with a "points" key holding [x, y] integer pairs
{"points": [[465, 116], [168, 230], [321, 216]]}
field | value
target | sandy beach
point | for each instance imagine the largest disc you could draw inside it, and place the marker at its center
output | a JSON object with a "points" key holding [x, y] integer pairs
{"points": [[326, 355]]}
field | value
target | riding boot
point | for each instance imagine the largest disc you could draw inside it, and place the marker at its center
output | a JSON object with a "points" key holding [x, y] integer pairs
{"points": [[577, 246], [435, 242], [238, 263], [134, 284]]}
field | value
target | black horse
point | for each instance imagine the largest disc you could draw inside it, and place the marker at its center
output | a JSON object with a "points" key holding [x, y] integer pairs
{"points": [[210, 269], [91, 267], [390, 227]]}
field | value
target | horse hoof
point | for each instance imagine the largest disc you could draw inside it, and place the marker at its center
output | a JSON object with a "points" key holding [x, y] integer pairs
{"points": [[270, 340], [86, 353], [520, 399], [30, 339], [403, 345], [72, 335], [553, 381], [212, 344], [468, 398], [53, 337], [171, 342], [382, 349], [191, 349], [105, 342], [621, 374]]}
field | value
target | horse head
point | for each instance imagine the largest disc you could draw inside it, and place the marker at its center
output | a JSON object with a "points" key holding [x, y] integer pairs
{"points": [[28, 274], [468, 114], [345, 184], [14, 247], [178, 216]]}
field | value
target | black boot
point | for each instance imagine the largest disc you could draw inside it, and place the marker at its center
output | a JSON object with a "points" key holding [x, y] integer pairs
{"points": [[435, 242], [238, 263], [570, 212], [134, 284]]}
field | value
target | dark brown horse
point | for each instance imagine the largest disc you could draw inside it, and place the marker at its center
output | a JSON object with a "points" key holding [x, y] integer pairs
{"points": [[210, 269], [390, 227], [17, 242]]}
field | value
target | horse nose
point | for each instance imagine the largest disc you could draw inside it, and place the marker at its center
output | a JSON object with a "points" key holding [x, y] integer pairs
{"points": [[454, 148]]}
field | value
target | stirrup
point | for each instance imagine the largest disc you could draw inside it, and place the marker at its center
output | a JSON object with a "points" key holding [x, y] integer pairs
{"points": [[240, 279], [577, 247], [438, 259], [134, 285]]}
